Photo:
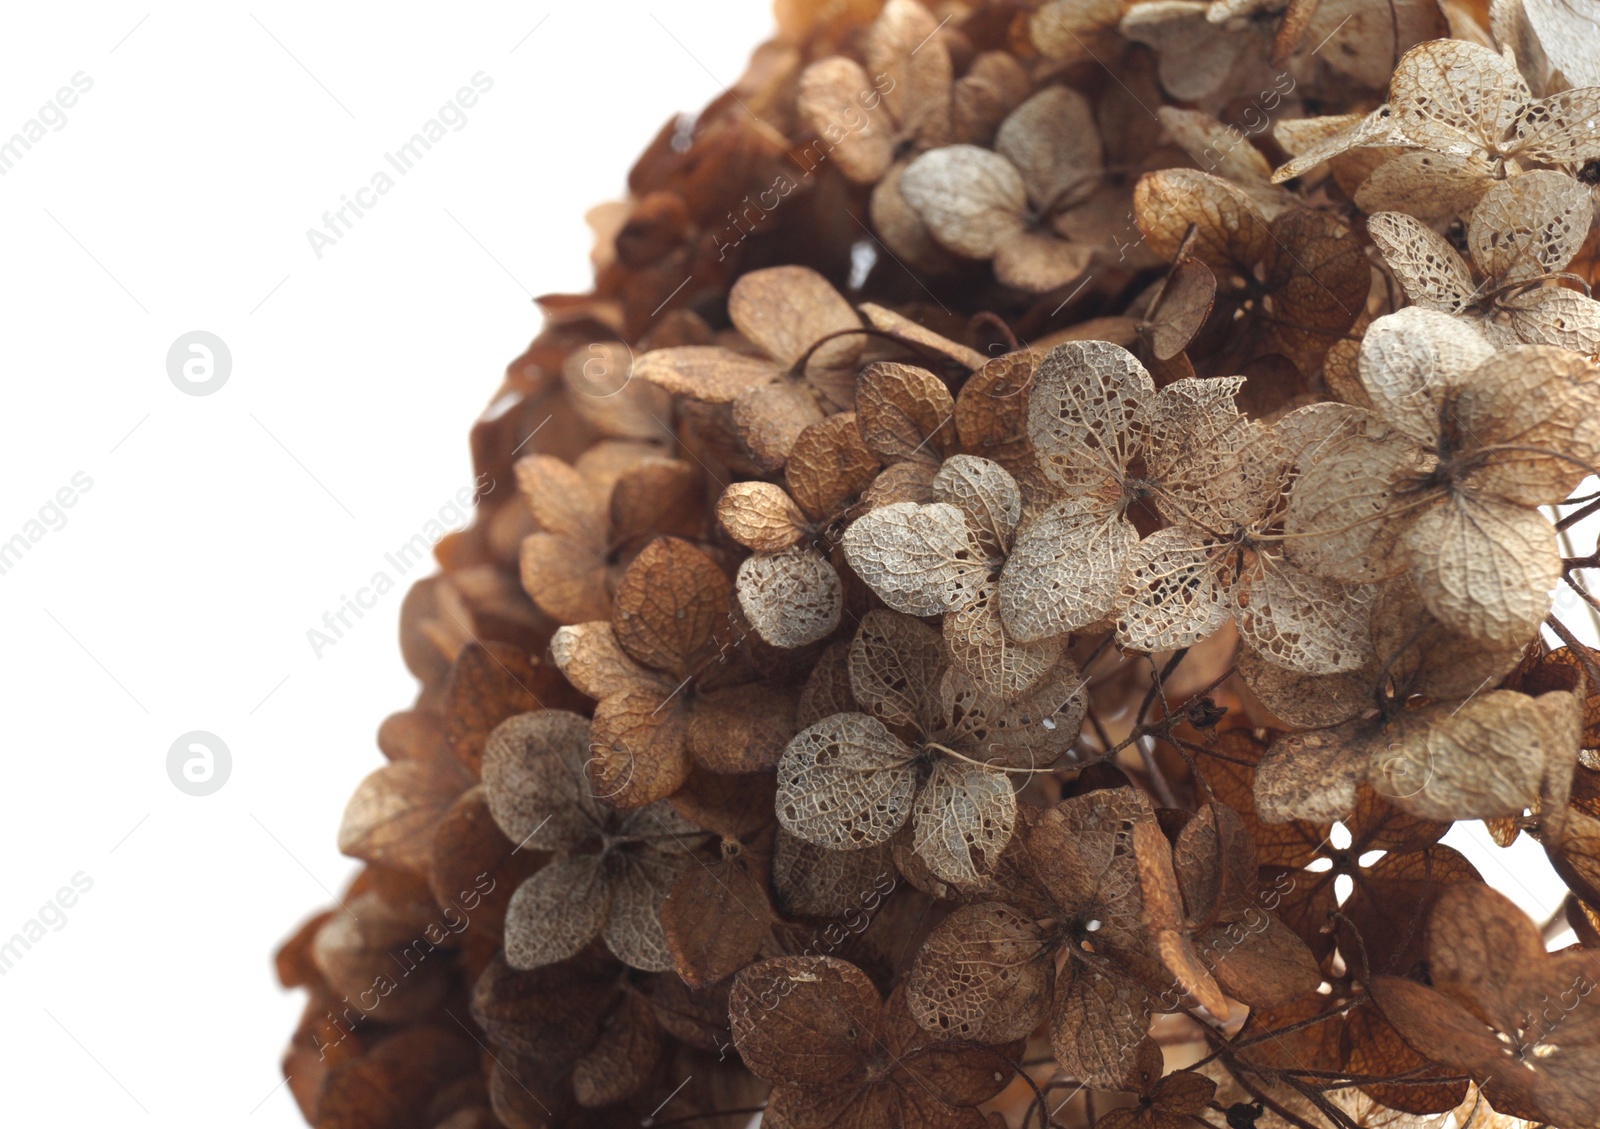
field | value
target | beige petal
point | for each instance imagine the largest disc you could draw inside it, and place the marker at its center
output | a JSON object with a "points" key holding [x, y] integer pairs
{"points": [[1321, 139], [1485, 568], [979, 645], [1174, 591], [840, 105], [1216, 148], [1302, 621], [1530, 226], [1560, 129], [390, 818], [981, 975], [1308, 701], [534, 783], [761, 516], [792, 597], [903, 233], [601, 389], [985, 493], [1431, 273], [1484, 758], [921, 560], [1410, 360], [1362, 39], [1568, 37], [787, 310], [1065, 571], [1447, 93], [1053, 142], [1031, 730], [1313, 774], [845, 783], [970, 198], [1432, 187], [556, 912], [1554, 315], [1543, 405], [1344, 513], [962, 819], [1081, 409], [1196, 56], [1040, 262], [993, 86], [895, 665]]}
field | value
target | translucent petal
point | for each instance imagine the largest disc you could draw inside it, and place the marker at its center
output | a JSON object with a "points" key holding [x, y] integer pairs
{"points": [[845, 783]]}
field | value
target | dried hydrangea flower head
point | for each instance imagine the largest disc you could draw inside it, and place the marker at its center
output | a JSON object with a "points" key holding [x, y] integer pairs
{"points": [[1026, 612]]}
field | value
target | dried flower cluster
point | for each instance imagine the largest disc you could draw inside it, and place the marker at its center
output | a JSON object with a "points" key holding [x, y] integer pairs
{"points": [[1050, 512]]}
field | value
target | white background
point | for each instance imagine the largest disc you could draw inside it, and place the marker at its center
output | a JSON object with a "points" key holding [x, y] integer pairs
{"points": [[219, 529]]}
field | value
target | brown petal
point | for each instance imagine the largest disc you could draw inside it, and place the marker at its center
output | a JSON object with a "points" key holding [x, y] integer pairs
{"points": [[590, 657], [658, 496], [829, 465], [985, 974], [787, 310], [638, 752], [770, 417], [623, 1057], [565, 578], [761, 516], [390, 818], [797, 1021], [1097, 1026], [839, 104], [561, 500], [668, 604], [704, 372], [742, 728], [1230, 234], [905, 412], [716, 918]]}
